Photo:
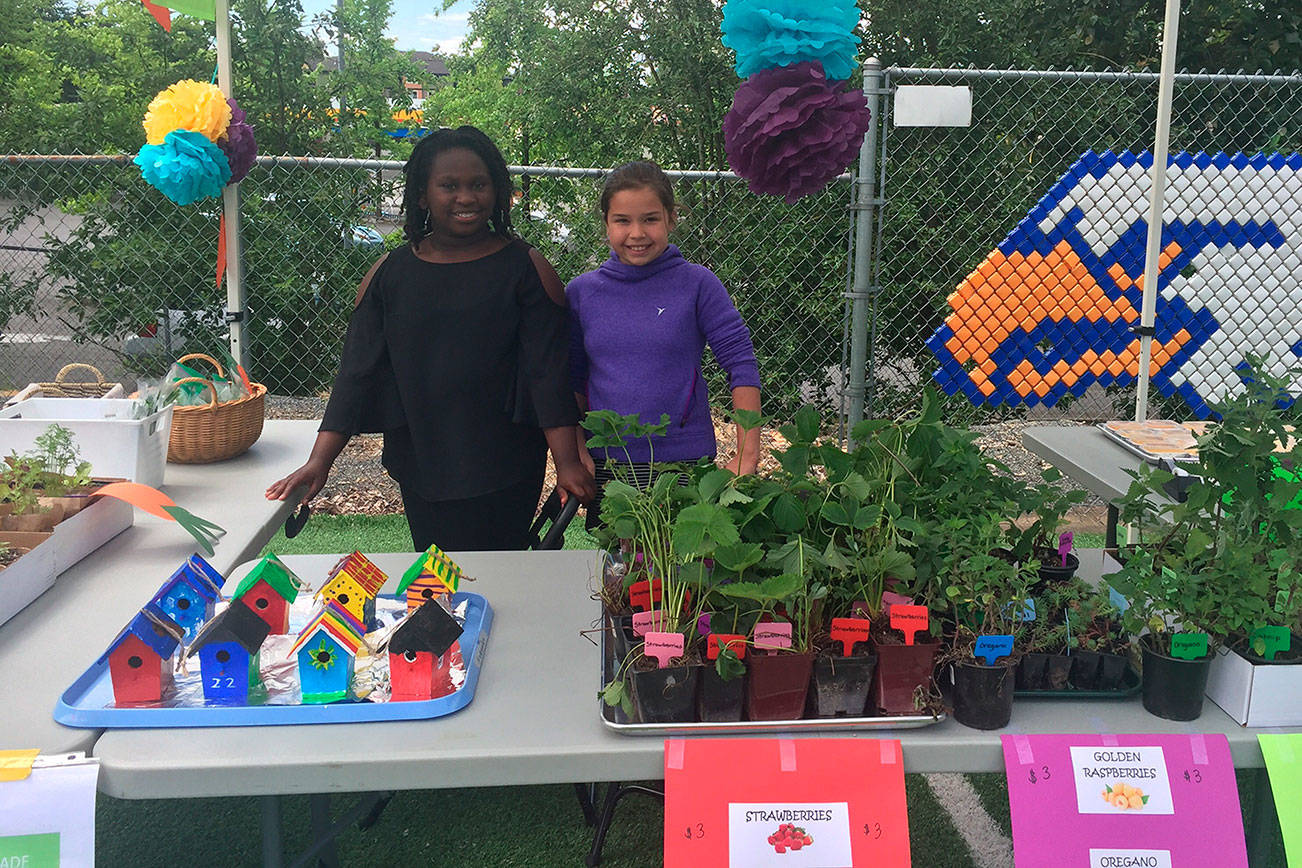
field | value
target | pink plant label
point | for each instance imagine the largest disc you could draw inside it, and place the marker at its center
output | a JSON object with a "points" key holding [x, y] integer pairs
{"points": [[1064, 546], [890, 598], [718, 641], [663, 646], [643, 594], [908, 620], [848, 631], [643, 622], [703, 624], [773, 634], [1189, 646]]}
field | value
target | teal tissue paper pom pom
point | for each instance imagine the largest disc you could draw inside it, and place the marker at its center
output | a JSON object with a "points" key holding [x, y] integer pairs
{"points": [[770, 33], [185, 168]]}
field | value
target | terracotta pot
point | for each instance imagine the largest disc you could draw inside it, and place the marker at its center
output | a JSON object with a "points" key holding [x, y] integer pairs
{"points": [[901, 670], [776, 685]]}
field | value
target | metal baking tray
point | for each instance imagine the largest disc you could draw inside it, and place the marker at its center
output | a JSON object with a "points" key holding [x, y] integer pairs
{"points": [[614, 718], [1129, 445]]}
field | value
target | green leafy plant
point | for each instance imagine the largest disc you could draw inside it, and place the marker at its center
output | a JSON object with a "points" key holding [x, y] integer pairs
{"points": [[56, 451]]}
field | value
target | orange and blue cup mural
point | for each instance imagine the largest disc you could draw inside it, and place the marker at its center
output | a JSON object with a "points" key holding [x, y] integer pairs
{"points": [[1051, 310]]}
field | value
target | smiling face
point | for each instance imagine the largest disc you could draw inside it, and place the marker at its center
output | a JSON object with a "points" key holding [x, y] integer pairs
{"points": [[637, 225], [459, 198]]}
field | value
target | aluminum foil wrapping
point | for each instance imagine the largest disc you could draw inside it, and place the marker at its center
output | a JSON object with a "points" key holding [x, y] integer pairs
{"points": [[278, 668]]}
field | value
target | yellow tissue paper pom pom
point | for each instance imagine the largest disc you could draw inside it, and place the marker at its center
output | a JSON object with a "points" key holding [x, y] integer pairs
{"points": [[188, 105]]}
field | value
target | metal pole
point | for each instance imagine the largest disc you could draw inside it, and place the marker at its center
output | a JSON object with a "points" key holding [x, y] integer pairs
{"points": [[865, 186], [234, 313], [1161, 141]]}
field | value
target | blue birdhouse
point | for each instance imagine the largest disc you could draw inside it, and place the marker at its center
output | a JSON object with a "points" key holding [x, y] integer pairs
{"points": [[188, 596], [228, 654], [326, 651]]}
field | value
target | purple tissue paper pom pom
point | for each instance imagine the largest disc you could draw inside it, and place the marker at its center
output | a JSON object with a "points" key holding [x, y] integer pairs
{"points": [[238, 144], [790, 132]]}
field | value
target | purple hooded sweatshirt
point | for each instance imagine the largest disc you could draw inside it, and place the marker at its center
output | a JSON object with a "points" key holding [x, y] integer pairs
{"points": [[636, 337]]}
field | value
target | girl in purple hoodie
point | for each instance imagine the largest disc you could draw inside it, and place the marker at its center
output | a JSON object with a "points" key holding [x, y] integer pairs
{"points": [[639, 325]]}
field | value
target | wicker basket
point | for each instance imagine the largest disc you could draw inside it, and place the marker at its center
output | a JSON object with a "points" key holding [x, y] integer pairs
{"points": [[215, 432], [63, 388]]}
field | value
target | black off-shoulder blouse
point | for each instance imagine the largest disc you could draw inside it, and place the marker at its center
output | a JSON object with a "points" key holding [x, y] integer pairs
{"points": [[460, 365]]}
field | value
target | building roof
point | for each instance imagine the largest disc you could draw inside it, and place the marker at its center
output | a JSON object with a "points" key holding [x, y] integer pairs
{"points": [[162, 637], [338, 622], [429, 628], [432, 563], [271, 570], [198, 574], [236, 623]]}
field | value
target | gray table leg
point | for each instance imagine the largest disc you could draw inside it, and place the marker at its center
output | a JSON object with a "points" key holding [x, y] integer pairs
{"points": [[272, 849], [321, 832], [1261, 834]]}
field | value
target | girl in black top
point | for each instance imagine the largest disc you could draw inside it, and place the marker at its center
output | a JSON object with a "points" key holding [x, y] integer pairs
{"points": [[457, 351]]}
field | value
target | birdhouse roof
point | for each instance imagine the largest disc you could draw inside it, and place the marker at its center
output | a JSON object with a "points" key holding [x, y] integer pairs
{"points": [[429, 628], [236, 623], [338, 622], [357, 567], [272, 571], [198, 574], [161, 639], [432, 563]]}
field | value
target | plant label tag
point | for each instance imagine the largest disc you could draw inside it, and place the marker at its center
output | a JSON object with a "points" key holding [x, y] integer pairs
{"points": [[643, 622], [908, 620], [1110, 857], [663, 646], [718, 641], [890, 598], [1117, 599], [848, 631], [1027, 612], [703, 624], [1075, 797], [642, 595], [773, 634], [1189, 646], [1064, 546], [1269, 641], [992, 647]]}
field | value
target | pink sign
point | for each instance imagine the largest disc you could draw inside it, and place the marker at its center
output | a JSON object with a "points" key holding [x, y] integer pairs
{"points": [[773, 634], [663, 646], [1080, 801], [644, 621], [890, 598]]}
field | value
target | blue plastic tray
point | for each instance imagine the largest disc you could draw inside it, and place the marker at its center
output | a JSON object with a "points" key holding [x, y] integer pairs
{"points": [[89, 701]]}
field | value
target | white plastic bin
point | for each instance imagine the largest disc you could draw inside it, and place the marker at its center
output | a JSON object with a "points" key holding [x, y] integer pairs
{"points": [[106, 435]]}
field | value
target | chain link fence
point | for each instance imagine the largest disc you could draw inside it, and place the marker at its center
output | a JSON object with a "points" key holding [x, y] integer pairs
{"points": [[1012, 310], [97, 267]]}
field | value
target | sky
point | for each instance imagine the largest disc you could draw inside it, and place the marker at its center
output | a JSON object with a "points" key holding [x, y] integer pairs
{"points": [[414, 24]]}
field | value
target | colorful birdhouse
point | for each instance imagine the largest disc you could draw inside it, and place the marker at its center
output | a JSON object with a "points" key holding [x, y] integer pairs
{"points": [[353, 584], [431, 575], [326, 650], [228, 653], [140, 658], [269, 589], [416, 649], [187, 597]]}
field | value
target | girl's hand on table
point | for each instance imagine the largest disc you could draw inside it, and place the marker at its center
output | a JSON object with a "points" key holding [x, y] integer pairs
{"points": [[311, 474]]}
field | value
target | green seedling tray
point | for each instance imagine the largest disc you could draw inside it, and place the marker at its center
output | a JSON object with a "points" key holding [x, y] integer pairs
{"points": [[1130, 686]]}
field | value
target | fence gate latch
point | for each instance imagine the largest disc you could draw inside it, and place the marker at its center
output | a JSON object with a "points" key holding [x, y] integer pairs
{"points": [[230, 316]]}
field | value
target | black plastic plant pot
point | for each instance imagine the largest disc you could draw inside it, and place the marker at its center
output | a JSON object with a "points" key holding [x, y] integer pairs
{"points": [[624, 637], [1084, 670], [1031, 671], [720, 701], [666, 695], [983, 695], [1057, 670], [776, 685], [1112, 669], [1173, 688], [1054, 573], [841, 685]]}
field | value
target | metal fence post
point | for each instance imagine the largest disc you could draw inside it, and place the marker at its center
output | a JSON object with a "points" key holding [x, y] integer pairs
{"points": [[861, 290]]}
